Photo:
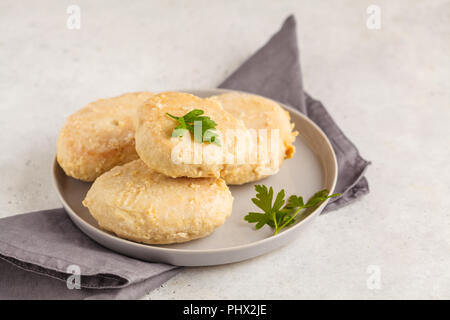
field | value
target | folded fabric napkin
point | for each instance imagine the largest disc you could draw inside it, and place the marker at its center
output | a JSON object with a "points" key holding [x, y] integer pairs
{"points": [[42, 253]]}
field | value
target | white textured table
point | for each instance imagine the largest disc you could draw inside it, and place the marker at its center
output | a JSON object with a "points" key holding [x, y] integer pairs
{"points": [[388, 89]]}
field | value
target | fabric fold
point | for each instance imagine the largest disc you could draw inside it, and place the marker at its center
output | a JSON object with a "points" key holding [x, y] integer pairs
{"points": [[47, 243]]}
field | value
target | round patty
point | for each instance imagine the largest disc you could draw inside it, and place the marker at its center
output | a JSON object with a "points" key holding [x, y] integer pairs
{"points": [[164, 153], [99, 136], [259, 113], [139, 204]]}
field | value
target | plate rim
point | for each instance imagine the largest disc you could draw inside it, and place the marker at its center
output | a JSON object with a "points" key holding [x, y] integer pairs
{"points": [[74, 216]]}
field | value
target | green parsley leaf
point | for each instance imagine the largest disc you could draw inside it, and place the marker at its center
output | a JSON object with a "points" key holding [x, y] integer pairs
{"points": [[202, 127], [278, 216]]}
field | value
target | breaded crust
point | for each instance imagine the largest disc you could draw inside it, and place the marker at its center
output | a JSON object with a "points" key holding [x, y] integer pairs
{"points": [[99, 136], [139, 204], [258, 113], [154, 142]]}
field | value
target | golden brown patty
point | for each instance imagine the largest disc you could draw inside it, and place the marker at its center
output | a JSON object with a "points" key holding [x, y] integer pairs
{"points": [[259, 113], [156, 146], [139, 204], [99, 136]]}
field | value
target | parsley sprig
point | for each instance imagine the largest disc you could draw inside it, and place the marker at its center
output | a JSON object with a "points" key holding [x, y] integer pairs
{"points": [[202, 127], [278, 216]]}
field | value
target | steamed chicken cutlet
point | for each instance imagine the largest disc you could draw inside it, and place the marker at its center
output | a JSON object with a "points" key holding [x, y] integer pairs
{"points": [[259, 113], [140, 204], [99, 136]]}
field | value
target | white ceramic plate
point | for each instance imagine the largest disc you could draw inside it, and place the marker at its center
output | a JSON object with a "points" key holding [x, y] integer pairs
{"points": [[312, 168]]}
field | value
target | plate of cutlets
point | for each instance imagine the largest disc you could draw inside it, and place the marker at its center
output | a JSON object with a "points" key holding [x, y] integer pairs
{"points": [[193, 177]]}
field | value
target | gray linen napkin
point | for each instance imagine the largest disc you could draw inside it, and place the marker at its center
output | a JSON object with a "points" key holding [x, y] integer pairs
{"points": [[37, 248], [274, 71]]}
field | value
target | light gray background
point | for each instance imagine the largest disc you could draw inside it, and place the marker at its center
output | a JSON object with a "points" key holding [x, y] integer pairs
{"points": [[388, 89]]}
